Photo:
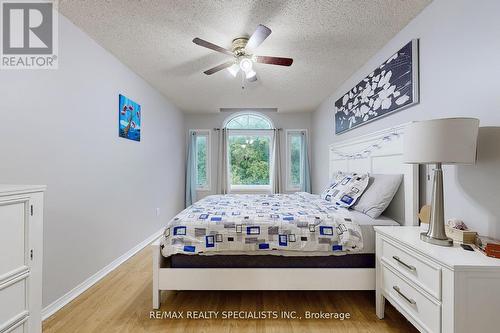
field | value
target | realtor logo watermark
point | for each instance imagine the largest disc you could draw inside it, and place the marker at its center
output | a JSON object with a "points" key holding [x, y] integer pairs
{"points": [[29, 38]]}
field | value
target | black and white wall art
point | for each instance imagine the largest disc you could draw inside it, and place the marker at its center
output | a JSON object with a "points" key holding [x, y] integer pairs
{"points": [[391, 87]]}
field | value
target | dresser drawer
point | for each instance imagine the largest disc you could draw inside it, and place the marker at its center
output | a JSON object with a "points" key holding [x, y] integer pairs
{"points": [[20, 326], [13, 301], [423, 273], [13, 235], [424, 311]]}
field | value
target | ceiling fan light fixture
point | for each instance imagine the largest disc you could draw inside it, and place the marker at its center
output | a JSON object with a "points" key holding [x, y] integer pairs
{"points": [[250, 74], [234, 69], [246, 65]]}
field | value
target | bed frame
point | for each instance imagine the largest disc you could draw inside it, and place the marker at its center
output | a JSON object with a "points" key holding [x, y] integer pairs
{"points": [[386, 157]]}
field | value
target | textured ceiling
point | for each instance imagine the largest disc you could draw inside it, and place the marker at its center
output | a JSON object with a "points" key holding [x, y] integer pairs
{"points": [[328, 41]]}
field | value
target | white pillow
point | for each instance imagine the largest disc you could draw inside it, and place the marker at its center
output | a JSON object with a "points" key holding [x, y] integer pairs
{"points": [[346, 188], [378, 195]]}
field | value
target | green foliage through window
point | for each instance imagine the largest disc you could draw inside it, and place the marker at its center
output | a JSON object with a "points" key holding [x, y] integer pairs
{"points": [[249, 153], [249, 159], [295, 159], [201, 160]]}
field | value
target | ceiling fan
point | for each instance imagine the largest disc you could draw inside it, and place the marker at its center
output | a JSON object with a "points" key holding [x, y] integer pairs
{"points": [[242, 52]]}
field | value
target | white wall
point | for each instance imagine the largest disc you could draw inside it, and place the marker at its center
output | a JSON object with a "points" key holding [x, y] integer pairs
{"points": [[459, 76], [60, 128], [298, 120]]}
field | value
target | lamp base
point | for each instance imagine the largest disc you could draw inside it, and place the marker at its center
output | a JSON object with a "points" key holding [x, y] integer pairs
{"points": [[436, 241], [437, 234]]}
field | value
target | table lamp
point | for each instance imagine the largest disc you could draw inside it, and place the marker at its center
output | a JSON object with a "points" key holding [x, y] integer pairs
{"points": [[440, 141]]}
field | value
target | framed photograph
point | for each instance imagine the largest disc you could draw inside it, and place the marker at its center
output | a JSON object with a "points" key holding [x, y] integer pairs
{"points": [[391, 87], [129, 119]]}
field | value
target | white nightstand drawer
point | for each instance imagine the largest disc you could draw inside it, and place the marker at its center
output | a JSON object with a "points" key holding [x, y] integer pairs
{"points": [[424, 273], [423, 311]]}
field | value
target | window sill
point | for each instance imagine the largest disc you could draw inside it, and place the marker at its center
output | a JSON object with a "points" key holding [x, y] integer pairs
{"points": [[250, 189]]}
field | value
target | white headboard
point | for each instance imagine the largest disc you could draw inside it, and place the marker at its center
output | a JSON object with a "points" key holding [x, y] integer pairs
{"points": [[381, 152]]}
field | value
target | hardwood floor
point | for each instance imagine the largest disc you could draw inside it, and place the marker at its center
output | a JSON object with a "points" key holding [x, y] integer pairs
{"points": [[121, 302]]}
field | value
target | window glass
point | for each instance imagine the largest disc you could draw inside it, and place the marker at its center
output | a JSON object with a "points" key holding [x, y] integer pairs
{"points": [[201, 161], [249, 151], [249, 159], [295, 159], [249, 121]]}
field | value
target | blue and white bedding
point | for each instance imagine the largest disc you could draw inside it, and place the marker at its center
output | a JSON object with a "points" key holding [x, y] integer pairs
{"points": [[277, 224]]}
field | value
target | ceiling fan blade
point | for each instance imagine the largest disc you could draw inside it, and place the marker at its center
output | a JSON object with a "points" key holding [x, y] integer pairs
{"points": [[219, 68], [259, 35], [274, 60], [208, 45]]}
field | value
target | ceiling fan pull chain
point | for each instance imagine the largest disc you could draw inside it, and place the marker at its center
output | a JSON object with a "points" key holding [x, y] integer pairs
{"points": [[243, 81]]}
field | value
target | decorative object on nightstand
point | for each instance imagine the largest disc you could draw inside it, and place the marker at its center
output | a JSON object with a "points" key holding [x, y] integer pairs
{"points": [[488, 246], [458, 231], [438, 289], [440, 141], [424, 216]]}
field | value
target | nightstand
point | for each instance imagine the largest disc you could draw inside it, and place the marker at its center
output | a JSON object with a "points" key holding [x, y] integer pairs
{"points": [[438, 289]]}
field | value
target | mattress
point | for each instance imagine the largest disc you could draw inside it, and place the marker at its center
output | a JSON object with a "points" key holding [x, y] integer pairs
{"points": [[366, 224], [364, 260]]}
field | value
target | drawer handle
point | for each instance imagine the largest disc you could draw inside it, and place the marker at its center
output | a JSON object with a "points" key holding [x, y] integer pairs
{"points": [[409, 300], [410, 267]]}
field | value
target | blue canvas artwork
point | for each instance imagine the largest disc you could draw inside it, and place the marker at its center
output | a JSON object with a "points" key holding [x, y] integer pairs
{"points": [[129, 119], [391, 87]]}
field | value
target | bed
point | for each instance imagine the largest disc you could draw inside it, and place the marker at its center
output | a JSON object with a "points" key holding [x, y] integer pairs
{"points": [[260, 242]]}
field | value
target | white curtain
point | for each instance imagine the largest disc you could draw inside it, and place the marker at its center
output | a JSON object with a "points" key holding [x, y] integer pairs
{"points": [[277, 186], [222, 165]]}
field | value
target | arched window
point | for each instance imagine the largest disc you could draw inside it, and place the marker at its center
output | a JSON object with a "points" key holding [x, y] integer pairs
{"points": [[249, 148], [250, 121]]}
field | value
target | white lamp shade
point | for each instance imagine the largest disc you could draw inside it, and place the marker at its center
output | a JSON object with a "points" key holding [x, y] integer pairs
{"points": [[447, 141]]}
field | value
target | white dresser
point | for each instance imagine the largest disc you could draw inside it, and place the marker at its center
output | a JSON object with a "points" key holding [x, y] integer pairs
{"points": [[21, 244], [438, 289]]}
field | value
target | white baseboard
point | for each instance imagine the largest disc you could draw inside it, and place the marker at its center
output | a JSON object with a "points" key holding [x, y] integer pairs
{"points": [[55, 306]]}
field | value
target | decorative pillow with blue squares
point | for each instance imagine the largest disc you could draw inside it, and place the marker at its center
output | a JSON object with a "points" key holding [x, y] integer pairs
{"points": [[346, 188]]}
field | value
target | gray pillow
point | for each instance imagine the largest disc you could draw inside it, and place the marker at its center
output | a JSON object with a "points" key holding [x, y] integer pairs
{"points": [[378, 194]]}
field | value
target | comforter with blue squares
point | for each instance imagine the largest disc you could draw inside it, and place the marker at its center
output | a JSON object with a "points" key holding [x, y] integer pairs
{"points": [[276, 224]]}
